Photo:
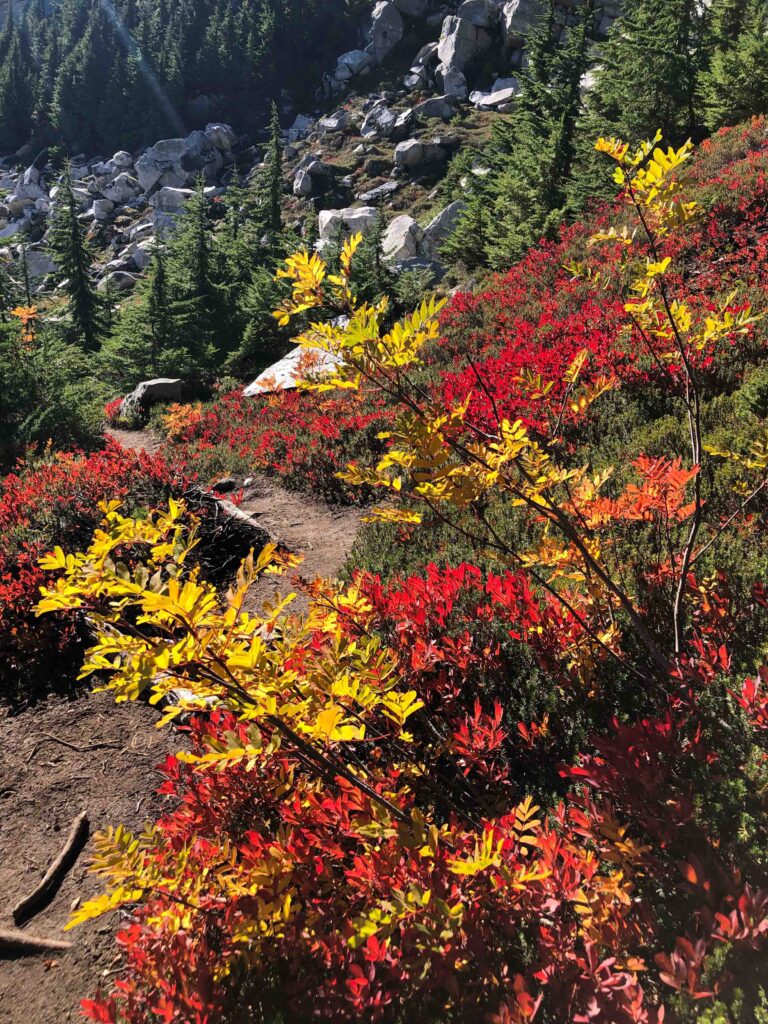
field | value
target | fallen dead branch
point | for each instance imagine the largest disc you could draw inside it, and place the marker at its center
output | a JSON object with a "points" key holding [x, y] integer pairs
{"points": [[54, 876], [20, 944], [72, 746]]}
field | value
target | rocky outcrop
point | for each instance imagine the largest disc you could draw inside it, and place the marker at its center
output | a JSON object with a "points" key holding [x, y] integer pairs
{"points": [[179, 162]]}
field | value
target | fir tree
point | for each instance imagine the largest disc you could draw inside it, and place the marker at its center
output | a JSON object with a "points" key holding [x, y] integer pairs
{"points": [[649, 71], [194, 286], [534, 151], [146, 342], [16, 97], [85, 309], [736, 84]]}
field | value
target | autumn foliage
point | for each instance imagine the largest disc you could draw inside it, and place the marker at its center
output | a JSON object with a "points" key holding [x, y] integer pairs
{"points": [[530, 792]]}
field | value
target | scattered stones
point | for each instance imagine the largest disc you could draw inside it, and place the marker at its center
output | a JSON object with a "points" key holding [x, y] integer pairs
{"points": [[504, 91]]}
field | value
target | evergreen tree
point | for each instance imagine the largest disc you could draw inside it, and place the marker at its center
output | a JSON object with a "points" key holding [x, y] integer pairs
{"points": [[195, 287], [649, 71], [735, 86], [85, 309], [145, 342], [16, 97], [534, 151], [371, 277]]}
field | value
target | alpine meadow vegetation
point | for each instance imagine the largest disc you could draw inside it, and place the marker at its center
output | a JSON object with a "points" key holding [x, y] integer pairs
{"points": [[525, 785]]}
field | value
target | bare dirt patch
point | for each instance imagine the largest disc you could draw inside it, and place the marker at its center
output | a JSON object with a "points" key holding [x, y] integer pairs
{"points": [[43, 787]]}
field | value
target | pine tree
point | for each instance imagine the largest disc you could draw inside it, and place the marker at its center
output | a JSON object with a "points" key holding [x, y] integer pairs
{"points": [[735, 86], [194, 285], [68, 245], [649, 71], [533, 152], [146, 342], [371, 276], [273, 180], [16, 97]]}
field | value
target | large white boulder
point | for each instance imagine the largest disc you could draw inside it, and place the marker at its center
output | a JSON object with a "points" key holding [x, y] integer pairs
{"points": [[360, 219], [401, 239], [415, 153], [385, 31], [178, 162], [122, 189], [461, 42], [285, 374], [440, 228], [482, 13], [518, 18], [379, 122]]}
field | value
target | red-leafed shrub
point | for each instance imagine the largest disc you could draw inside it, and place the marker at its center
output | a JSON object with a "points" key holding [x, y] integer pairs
{"points": [[47, 500]]}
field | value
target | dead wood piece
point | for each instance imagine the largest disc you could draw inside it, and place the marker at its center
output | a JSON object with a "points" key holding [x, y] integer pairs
{"points": [[15, 943], [56, 873], [72, 746]]}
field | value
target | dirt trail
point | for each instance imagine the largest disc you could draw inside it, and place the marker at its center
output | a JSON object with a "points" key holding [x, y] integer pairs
{"points": [[44, 785]]}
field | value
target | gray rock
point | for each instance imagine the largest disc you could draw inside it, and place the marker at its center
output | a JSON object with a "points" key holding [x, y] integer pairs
{"points": [[118, 281], [17, 205], [443, 107], [385, 31], [221, 136], [178, 162], [102, 209], [352, 63], [505, 90], [149, 393], [39, 264], [461, 43], [300, 128], [336, 122], [122, 160], [142, 254], [355, 219], [401, 239], [171, 200], [482, 13], [517, 19], [122, 189], [404, 125], [380, 194], [441, 227], [414, 153], [452, 81], [379, 123]]}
